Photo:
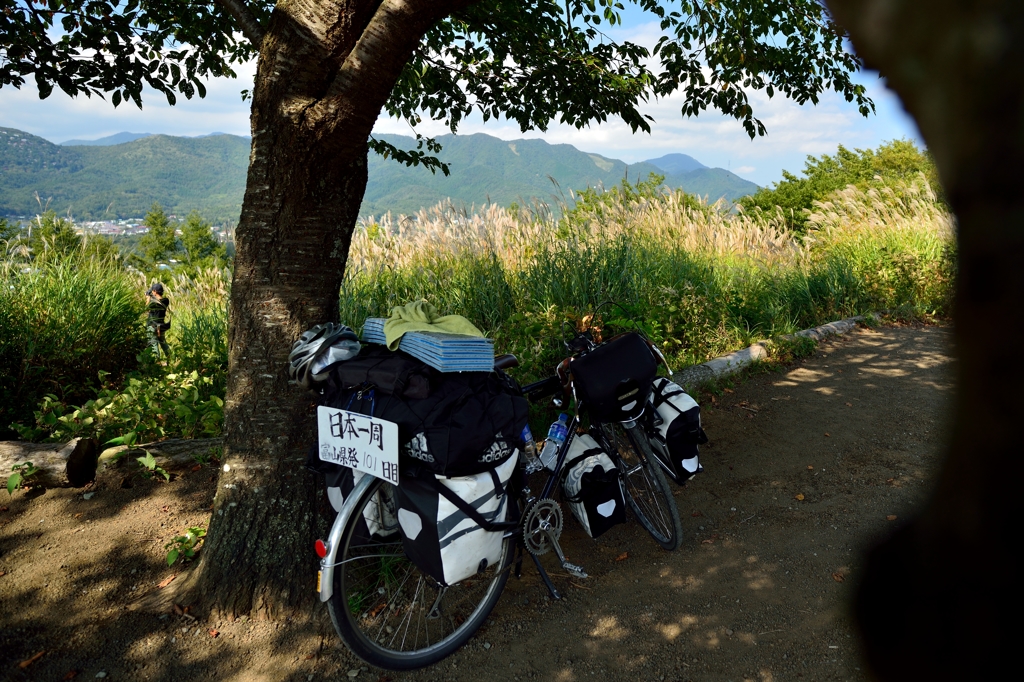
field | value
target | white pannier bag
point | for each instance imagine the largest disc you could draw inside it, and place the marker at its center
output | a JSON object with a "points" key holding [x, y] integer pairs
{"points": [[442, 520], [591, 486], [677, 431]]}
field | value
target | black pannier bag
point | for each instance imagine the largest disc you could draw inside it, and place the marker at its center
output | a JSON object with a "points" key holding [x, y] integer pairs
{"points": [[452, 527], [614, 379], [591, 486], [453, 424], [675, 430]]}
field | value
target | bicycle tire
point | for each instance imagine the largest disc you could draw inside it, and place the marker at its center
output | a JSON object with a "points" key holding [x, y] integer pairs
{"points": [[644, 486], [378, 592]]}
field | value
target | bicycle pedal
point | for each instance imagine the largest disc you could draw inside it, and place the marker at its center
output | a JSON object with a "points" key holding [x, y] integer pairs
{"points": [[574, 570]]}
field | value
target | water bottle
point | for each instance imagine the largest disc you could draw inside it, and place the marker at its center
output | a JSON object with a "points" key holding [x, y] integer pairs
{"points": [[530, 451], [556, 436]]}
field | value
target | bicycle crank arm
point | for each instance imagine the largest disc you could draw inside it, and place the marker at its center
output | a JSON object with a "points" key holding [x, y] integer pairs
{"points": [[571, 569], [325, 576]]}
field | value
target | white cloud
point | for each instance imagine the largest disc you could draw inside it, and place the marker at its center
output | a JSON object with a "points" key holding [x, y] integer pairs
{"points": [[60, 117]]}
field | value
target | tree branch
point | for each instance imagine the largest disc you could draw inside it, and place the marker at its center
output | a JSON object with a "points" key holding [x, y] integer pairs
{"points": [[246, 21], [371, 69]]}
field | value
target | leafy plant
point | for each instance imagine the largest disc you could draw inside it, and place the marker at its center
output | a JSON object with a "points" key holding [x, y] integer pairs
{"points": [[20, 473], [211, 455], [185, 546], [146, 409], [61, 322], [148, 464]]}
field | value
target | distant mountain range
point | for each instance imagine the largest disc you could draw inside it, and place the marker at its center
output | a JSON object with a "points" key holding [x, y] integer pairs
{"points": [[120, 176], [107, 141], [120, 138], [485, 168]]}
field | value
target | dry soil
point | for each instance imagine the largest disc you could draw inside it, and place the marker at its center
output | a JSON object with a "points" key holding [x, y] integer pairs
{"points": [[806, 465]]}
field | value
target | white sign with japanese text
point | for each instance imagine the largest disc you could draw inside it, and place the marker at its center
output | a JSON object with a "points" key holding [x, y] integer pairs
{"points": [[359, 442]]}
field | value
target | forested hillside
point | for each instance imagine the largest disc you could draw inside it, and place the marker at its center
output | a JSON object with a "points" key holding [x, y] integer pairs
{"points": [[485, 168], [122, 181], [207, 174]]}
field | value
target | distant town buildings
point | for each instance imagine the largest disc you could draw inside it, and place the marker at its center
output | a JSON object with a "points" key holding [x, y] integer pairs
{"points": [[122, 228], [112, 227]]}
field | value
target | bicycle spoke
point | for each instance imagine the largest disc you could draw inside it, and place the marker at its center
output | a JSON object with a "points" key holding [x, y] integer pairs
{"points": [[382, 601], [646, 490]]}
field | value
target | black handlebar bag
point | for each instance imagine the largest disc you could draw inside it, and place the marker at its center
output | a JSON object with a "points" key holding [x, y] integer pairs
{"points": [[614, 380]]}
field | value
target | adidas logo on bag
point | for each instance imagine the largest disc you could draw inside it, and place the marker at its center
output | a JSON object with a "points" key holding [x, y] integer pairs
{"points": [[498, 451], [417, 448]]}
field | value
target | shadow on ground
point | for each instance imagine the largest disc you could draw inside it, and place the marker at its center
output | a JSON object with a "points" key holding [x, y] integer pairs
{"points": [[806, 466]]}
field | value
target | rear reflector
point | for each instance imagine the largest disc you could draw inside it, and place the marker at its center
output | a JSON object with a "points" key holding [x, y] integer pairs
{"points": [[321, 548]]}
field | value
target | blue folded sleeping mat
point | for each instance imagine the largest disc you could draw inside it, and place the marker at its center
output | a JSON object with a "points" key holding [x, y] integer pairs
{"points": [[443, 352]]}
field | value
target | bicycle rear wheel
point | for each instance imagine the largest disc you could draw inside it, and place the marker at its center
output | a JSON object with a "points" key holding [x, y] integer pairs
{"points": [[644, 485], [386, 610]]}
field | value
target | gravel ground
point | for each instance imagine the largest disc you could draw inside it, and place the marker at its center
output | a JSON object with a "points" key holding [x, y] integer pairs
{"points": [[805, 467]]}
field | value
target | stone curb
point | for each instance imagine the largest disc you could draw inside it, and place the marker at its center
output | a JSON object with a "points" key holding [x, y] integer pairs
{"points": [[737, 361]]}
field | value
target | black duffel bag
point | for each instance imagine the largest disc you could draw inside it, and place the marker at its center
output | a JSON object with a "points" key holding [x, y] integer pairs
{"points": [[390, 372], [614, 380], [452, 424]]}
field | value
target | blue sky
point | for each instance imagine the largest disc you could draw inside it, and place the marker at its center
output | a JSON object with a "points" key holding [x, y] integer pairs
{"points": [[793, 131]]}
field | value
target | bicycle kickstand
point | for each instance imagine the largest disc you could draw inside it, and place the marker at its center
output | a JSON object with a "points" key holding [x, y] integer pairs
{"points": [[545, 577]]}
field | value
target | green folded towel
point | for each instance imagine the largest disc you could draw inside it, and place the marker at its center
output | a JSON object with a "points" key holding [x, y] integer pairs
{"points": [[421, 316]]}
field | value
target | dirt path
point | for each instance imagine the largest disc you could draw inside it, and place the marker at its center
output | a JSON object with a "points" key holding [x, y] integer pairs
{"points": [[806, 466]]}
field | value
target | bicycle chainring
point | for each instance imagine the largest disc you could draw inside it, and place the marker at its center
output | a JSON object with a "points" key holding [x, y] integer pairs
{"points": [[543, 517]]}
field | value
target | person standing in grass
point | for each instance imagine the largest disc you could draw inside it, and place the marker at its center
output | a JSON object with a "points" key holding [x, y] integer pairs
{"points": [[157, 322]]}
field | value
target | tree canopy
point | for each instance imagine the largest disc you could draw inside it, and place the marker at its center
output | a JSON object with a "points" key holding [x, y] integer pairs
{"points": [[531, 62], [160, 242]]}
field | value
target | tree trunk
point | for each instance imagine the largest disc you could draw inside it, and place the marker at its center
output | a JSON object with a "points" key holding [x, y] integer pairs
{"points": [[938, 599], [325, 70]]}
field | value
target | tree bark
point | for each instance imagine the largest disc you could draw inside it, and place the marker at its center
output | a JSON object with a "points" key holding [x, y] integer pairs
{"points": [[938, 599], [325, 70]]}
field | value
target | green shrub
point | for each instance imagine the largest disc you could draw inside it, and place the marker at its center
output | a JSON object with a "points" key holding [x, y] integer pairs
{"points": [[794, 197], [199, 332], [183, 398], [61, 322], [147, 408]]}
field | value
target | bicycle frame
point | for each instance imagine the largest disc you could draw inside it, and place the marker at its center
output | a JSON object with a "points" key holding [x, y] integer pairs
{"points": [[325, 576]]}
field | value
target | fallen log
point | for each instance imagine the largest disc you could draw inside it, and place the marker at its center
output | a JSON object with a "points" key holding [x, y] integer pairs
{"points": [[58, 464], [75, 463], [173, 453]]}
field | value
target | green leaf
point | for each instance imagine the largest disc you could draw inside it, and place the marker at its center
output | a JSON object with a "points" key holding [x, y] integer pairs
{"points": [[148, 461], [13, 481], [172, 556]]}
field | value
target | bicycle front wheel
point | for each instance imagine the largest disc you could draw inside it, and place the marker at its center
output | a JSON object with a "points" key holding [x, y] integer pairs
{"points": [[644, 485], [388, 612]]}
